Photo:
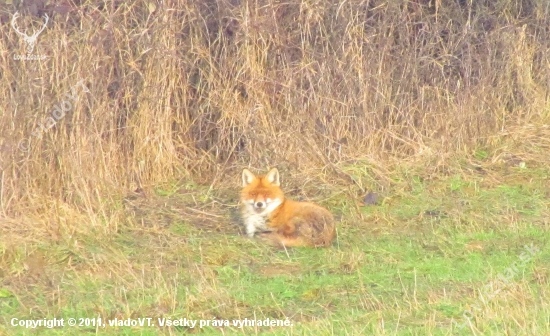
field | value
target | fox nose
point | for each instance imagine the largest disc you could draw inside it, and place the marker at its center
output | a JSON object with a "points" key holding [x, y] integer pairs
{"points": [[260, 204]]}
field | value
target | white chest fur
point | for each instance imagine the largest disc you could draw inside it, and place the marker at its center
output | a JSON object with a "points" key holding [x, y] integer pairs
{"points": [[254, 222]]}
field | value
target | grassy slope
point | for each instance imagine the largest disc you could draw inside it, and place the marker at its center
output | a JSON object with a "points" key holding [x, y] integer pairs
{"points": [[407, 266]]}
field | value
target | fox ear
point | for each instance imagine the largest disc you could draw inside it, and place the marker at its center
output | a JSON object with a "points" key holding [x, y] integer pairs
{"points": [[273, 177], [248, 177]]}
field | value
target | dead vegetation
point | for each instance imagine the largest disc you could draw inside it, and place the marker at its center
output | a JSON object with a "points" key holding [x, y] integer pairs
{"points": [[193, 89], [190, 92]]}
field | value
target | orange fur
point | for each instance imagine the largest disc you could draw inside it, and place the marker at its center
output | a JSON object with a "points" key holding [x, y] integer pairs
{"points": [[288, 223]]}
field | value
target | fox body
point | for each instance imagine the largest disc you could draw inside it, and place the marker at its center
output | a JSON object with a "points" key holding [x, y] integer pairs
{"points": [[282, 222]]}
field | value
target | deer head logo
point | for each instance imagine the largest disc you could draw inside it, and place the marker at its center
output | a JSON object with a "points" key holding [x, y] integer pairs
{"points": [[30, 40]]}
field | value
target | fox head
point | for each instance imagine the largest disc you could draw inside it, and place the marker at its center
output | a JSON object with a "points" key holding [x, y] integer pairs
{"points": [[261, 194]]}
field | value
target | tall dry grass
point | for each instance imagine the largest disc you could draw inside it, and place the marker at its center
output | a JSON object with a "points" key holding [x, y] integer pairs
{"points": [[195, 88]]}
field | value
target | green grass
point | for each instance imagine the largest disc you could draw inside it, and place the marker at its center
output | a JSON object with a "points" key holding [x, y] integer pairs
{"points": [[408, 266]]}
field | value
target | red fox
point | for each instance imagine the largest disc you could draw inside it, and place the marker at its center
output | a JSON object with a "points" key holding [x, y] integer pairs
{"points": [[288, 223]]}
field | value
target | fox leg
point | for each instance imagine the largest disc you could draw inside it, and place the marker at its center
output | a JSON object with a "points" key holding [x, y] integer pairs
{"points": [[254, 224], [250, 230], [289, 228], [286, 236]]}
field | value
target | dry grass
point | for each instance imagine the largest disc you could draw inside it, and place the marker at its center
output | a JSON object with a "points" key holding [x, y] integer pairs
{"points": [[341, 95], [189, 88]]}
